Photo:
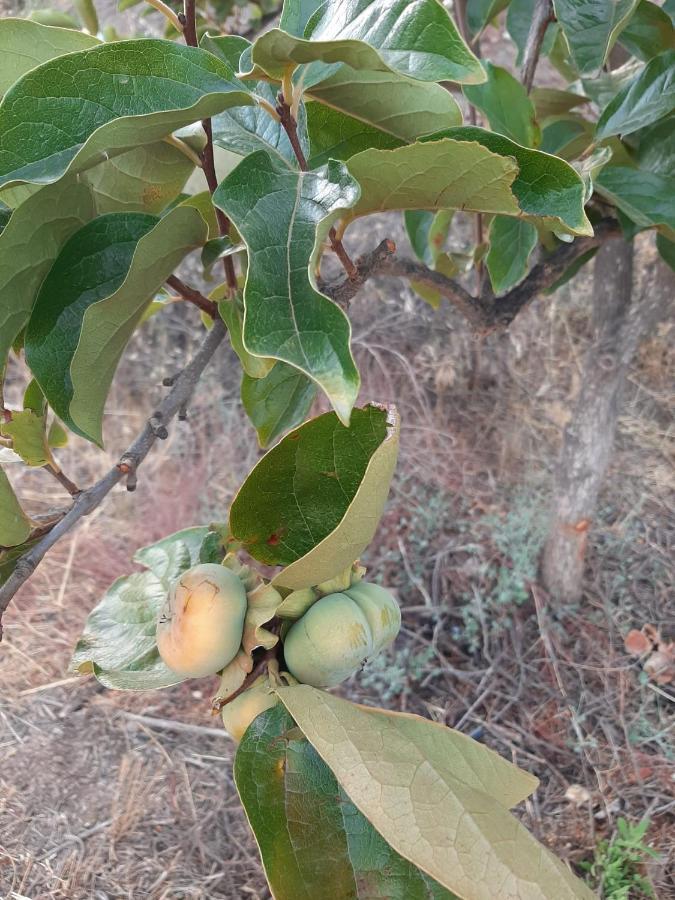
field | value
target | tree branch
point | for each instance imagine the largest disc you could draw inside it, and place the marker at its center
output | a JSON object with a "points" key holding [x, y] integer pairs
{"points": [[88, 500], [486, 312], [193, 296], [543, 14]]}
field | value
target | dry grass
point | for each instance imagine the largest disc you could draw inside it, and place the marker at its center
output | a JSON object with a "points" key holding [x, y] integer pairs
{"points": [[97, 804]]}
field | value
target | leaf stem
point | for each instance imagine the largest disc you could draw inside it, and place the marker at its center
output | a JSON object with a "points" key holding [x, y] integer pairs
{"points": [[193, 296], [168, 12]]}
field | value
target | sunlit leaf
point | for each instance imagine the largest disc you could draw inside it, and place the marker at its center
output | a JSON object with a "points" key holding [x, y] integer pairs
{"points": [[28, 433], [591, 28], [649, 97], [649, 32]]}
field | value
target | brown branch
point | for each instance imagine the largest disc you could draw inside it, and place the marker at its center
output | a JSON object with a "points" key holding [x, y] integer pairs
{"points": [[543, 14], [193, 296], [486, 312], [368, 265], [63, 479], [89, 499]]}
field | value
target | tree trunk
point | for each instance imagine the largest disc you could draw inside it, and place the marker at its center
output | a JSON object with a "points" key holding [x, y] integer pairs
{"points": [[589, 436]]}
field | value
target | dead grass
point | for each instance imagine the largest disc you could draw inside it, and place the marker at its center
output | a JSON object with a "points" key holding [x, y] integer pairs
{"points": [[97, 804]]}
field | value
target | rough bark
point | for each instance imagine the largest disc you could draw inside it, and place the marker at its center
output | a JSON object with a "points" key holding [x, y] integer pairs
{"points": [[619, 322]]}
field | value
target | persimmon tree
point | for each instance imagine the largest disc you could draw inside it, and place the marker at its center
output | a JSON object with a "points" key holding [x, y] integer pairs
{"points": [[347, 109]]}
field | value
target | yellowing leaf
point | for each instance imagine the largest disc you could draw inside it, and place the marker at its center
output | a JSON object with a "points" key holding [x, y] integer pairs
{"points": [[14, 523]]}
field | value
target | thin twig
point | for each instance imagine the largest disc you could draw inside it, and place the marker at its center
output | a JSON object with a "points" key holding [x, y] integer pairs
{"points": [[543, 14], [168, 12], [192, 295], [174, 725], [89, 499], [63, 479]]}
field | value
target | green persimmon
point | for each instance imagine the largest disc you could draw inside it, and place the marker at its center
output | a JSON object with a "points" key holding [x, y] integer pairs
{"points": [[239, 713], [201, 624], [339, 633]]}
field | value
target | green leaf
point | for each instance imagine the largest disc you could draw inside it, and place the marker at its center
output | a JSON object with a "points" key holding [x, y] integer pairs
{"points": [[481, 12], [282, 216], [146, 179], [232, 313], [398, 106], [333, 135], [91, 301], [169, 557], [656, 151], [421, 42], [552, 102], [567, 136], [511, 243], [591, 28], [29, 437], [427, 232], [54, 18], [518, 22], [118, 643], [504, 102], [666, 250], [546, 188], [437, 797], [10, 557], [645, 197], [26, 44], [296, 14], [277, 402], [650, 96], [649, 32], [57, 436], [87, 13], [14, 523], [309, 833], [70, 112], [605, 86], [313, 502], [29, 244]]}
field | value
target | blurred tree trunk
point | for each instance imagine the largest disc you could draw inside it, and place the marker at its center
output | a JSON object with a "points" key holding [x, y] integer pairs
{"points": [[618, 325]]}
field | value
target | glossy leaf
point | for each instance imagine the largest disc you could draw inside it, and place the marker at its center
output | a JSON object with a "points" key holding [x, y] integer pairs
{"points": [[545, 187], [649, 97], [505, 103], [645, 197], [313, 502], [649, 32], [126, 94], [277, 402], [91, 301], [282, 215], [232, 313], [656, 151], [511, 243], [27, 44], [333, 135], [437, 797], [417, 39], [169, 557], [147, 179], [118, 643], [27, 431], [29, 244], [309, 833], [398, 106], [591, 28], [14, 523]]}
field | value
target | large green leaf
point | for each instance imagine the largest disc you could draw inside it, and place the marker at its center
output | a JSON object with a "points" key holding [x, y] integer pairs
{"points": [[29, 244], [414, 37], [309, 833], [481, 12], [146, 179], [591, 28], [91, 301], [647, 198], [26, 44], [278, 401], [282, 215], [14, 523], [605, 86], [649, 97], [649, 32], [313, 502], [73, 111], [398, 106], [504, 101], [296, 14], [511, 243], [438, 798], [118, 643], [546, 188], [333, 135]]}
